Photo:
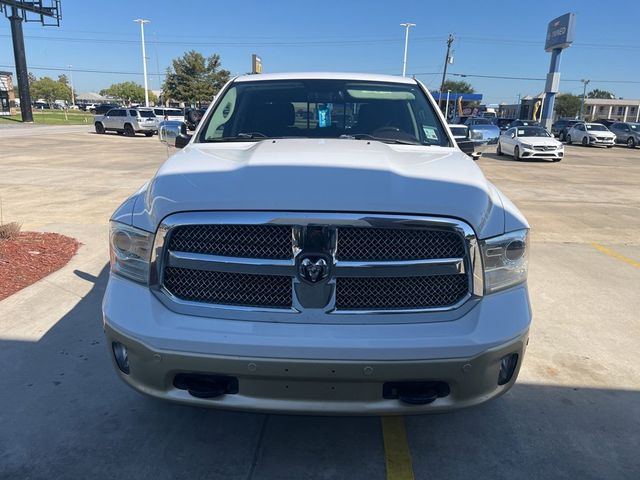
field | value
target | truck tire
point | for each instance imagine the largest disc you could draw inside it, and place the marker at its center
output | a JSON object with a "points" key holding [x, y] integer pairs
{"points": [[99, 128], [148, 134], [128, 130]]}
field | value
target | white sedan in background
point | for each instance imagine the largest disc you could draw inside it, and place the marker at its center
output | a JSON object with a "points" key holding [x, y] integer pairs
{"points": [[591, 134], [529, 142]]}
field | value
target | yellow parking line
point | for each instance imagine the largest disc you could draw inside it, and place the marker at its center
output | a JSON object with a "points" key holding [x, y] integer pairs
{"points": [[396, 449], [615, 254]]}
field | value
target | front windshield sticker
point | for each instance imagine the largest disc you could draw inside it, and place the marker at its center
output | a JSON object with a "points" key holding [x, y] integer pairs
{"points": [[324, 115], [430, 133]]}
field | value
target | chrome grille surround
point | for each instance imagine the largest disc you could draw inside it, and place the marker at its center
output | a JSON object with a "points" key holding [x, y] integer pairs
{"points": [[320, 302]]}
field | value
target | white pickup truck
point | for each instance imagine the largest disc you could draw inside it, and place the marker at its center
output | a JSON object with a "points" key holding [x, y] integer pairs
{"points": [[319, 245]]}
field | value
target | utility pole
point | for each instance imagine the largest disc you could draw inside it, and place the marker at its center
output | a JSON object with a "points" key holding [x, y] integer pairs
{"points": [[584, 94], [73, 96], [446, 64], [407, 26], [144, 61]]}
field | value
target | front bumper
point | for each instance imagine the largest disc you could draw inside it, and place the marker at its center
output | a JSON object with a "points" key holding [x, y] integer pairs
{"points": [[607, 142], [552, 154], [319, 369]]}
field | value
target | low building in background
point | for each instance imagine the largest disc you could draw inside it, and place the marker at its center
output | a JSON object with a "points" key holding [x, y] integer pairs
{"points": [[7, 96], [618, 109]]}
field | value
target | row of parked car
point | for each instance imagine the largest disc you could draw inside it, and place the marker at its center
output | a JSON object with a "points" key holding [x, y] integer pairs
{"points": [[129, 121], [528, 139]]}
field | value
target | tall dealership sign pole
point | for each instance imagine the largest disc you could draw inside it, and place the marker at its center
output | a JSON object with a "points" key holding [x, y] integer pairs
{"points": [[18, 11], [560, 34]]}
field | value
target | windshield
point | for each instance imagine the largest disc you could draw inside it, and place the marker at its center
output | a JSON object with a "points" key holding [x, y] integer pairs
{"points": [[596, 127], [391, 112], [532, 132], [482, 121], [173, 112], [146, 113]]}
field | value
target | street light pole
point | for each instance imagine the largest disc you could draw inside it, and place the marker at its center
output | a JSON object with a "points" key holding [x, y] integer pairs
{"points": [[584, 94], [407, 26], [144, 61], [73, 97]]}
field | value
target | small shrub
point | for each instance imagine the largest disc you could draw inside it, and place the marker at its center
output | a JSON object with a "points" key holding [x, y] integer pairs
{"points": [[9, 231]]}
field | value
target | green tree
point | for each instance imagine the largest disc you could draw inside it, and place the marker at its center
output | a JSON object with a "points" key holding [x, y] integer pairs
{"points": [[194, 78], [49, 89], [129, 92], [597, 93], [459, 86], [567, 105]]}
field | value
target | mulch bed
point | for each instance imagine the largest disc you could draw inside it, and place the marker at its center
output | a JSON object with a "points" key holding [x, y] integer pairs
{"points": [[31, 256]]}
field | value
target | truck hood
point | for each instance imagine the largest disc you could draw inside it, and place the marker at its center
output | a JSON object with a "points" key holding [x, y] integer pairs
{"points": [[321, 175]]}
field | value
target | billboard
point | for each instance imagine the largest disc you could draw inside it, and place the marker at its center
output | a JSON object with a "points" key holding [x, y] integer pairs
{"points": [[560, 32], [256, 64]]}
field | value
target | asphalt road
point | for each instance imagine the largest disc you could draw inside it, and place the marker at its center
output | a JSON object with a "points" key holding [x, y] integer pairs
{"points": [[575, 412]]}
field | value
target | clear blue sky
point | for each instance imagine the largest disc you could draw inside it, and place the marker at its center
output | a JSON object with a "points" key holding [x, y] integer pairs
{"points": [[503, 38]]}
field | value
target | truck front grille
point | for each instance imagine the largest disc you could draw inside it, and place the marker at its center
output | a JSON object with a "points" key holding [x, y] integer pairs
{"points": [[379, 244], [224, 288], [386, 263], [400, 293], [251, 241]]}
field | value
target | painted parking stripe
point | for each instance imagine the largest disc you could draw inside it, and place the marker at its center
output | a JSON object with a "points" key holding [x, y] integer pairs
{"points": [[614, 254], [396, 449]]}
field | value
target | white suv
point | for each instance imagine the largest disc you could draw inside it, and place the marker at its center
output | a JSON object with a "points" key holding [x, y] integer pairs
{"points": [[127, 121], [320, 245]]}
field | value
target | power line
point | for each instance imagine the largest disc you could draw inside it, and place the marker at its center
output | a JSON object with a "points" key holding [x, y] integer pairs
{"points": [[289, 43], [422, 74]]}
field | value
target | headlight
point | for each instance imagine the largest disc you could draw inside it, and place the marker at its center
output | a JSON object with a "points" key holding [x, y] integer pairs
{"points": [[527, 146], [506, 260], [130, 251]]}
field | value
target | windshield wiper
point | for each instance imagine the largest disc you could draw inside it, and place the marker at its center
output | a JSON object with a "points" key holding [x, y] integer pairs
{"points": [[241, 137], [366, 136]]}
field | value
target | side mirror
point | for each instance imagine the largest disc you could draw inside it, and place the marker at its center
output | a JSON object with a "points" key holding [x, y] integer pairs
{"points": [[173, 133], [513, 135]]}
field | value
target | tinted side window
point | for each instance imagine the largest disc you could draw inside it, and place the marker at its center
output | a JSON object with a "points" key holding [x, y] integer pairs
{"points": [[132, 113]]}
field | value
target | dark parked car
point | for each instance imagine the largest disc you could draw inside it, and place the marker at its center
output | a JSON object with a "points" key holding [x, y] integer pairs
{"points": [[605, 121], [524, 123], [104, 108], [627, 133], [561, 127], [503, 123]]}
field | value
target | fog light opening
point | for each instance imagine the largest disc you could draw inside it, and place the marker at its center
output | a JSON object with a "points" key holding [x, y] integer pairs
{"points": [[121, 356], [507, 367]]}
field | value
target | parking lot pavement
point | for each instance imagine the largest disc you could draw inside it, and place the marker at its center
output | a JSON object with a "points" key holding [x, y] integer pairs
{"points": [[575, 412]]}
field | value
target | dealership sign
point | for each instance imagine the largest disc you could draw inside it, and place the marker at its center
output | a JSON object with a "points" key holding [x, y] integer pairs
{"points": [[560, 32]]}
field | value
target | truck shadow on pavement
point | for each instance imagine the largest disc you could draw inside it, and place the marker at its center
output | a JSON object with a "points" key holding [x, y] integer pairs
{"points": [[65, 414]]}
